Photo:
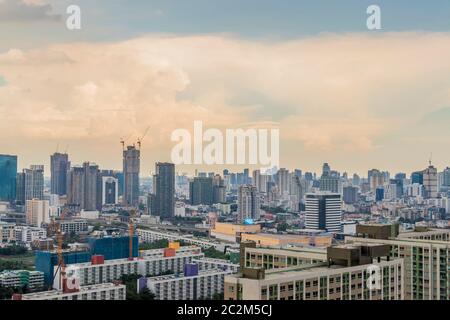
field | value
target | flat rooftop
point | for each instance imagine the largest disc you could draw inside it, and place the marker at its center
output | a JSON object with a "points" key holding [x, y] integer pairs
{"points": [[43, 294]]}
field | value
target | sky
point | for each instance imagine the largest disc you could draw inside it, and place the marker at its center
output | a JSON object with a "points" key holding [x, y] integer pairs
{"points": [[338, 92]]}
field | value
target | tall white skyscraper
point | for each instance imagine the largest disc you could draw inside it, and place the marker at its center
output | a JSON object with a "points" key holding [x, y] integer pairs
{"points": [[324, 211], [248, 203]]}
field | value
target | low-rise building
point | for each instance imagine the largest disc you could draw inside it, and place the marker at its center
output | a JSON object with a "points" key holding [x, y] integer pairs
{"points": [[191, 285], [33, 280], [73, 226], [104, 291]]}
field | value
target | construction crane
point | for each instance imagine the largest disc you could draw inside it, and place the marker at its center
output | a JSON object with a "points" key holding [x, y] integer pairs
{"points": [[131, 234], [139, 140], [60, 240]]}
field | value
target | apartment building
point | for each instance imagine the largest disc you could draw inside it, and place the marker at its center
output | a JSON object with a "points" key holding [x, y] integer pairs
{"points": [[73, 226], [271, 258], [100, 270], [211, 263], [193, 285], [33, 280], [426, 262], [105, 291], [146, 235], [350, 273]]}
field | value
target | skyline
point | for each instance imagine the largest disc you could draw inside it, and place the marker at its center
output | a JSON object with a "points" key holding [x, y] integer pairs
{"points": [[381, 100]]}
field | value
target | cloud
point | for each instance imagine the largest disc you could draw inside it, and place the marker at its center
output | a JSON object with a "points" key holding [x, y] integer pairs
{"points": [[352, 93], [26, 10]]}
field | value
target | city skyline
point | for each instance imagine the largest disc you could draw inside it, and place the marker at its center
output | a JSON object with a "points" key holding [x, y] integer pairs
{"points": [[380, 101]]}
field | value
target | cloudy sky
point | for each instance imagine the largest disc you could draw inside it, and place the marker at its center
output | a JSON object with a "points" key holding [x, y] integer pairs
{"points": [[338, 92]]}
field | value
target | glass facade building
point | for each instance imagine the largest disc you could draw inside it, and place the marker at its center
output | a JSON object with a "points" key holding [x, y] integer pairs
{"points": [[8, 173]]}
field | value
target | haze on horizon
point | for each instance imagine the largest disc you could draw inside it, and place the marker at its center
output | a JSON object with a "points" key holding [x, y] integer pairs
{"points": [[337, 92]]}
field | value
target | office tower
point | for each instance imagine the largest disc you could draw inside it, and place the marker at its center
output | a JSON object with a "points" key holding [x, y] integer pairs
{"points": [[417, 177], [201, 191], [298, 173], [256, 174], [248, 203], [37, 212], [356, 181], [246, 179], [90, 190], [34, 182], [131, 169], [8, 172], [110, 191], [390, 191], [376, 179], [326, 169], [218, 189], [330, 183], [82, 186], [151, 204], [20, 188], [309, 176], [430, 182], [446, 177], [59, 165], [379, 194], [165, 189], [350, 194], [75, 187], [283, 181], [296, 192], [323, 211], [398, 182]]}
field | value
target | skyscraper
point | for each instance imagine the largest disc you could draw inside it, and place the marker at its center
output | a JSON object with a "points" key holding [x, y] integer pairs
{"points": [[59, 165], [430, 182], [131, 169], [8, 171], [110, 190], [165, 189], [91, 173], [323, 211], [201, 191], [283, 181], [218, 189], [34, 182], [248, 203], [350, 194], [82, 190]]}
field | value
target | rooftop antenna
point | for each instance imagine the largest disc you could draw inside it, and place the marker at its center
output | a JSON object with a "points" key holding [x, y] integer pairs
{"points": [[431, 158]]}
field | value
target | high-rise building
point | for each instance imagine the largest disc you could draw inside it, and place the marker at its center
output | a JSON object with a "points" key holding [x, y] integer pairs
{"points": [[75, 187], [446, 178], [376, 178], [8, 171], [323, 211], [110, 191], [59, 165], [326, 169], [330, 183], [417, 177], [350, 194], [91, 173], [34, 182], [20, 188], [430, 182], [165, 189], [201, 191], [38, 212], [131, 169], [218, 189], [283, 181], [82, 187], [248, 203]]}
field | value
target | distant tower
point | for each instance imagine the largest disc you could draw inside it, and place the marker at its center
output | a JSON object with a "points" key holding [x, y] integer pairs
{"points": [[59, 165], [34, 182], [131, 169], [248, 203], [165, 189]]}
